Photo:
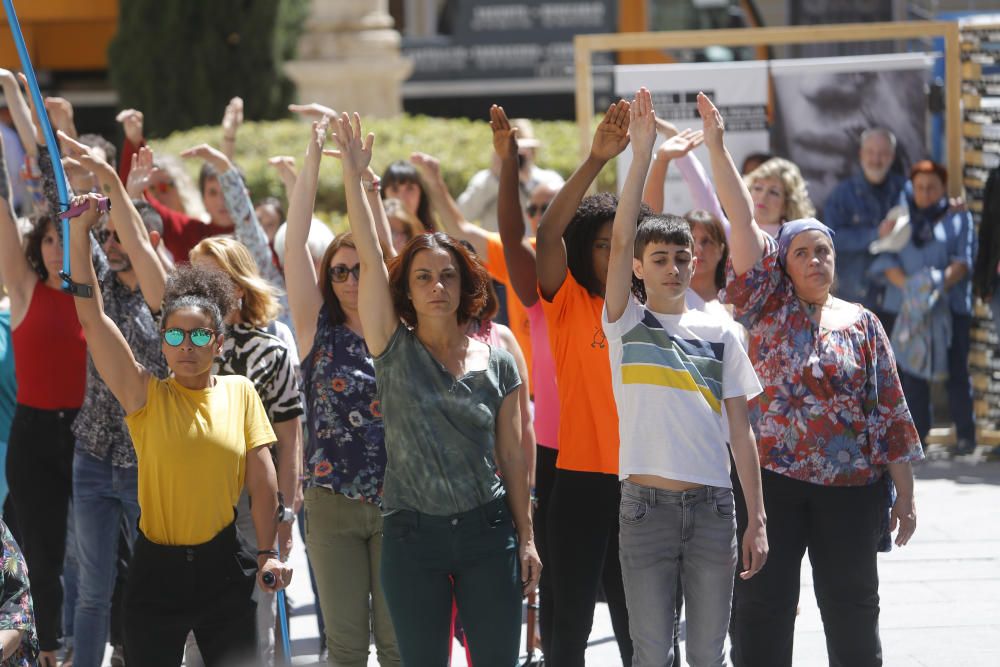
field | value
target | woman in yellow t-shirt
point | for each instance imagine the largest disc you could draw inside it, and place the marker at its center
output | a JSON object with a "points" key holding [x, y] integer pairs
{"points": [[197, 437]]}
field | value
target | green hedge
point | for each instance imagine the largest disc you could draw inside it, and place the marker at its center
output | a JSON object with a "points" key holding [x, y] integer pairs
{"points": [[463, 146]]}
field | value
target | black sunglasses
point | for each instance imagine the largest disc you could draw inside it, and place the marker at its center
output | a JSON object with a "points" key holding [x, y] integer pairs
{"points": [[339, 272], [104, 234], [536, 209]]}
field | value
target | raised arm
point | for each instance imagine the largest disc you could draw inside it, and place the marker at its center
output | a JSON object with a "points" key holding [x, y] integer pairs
{"points": [[378, 315], [285, 166], [232, 118], [132, 126], [20, 113], [642, 130], [517, 250], [128, 223], [451, 216], [528, 442], [610, 139], [107, 347], [676, 146], [746, 238], [304, 296]]}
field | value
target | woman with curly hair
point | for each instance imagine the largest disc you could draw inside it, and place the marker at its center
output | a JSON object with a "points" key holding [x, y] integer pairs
{"points": [[198, 438], [779, 194], [455, 500], [345, 454]]}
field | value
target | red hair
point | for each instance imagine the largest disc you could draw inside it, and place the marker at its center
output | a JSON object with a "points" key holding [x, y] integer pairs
{"points": [[929, 167]]}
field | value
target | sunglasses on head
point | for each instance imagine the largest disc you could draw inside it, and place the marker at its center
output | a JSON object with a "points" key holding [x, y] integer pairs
{"points": [[339, 272], [536, 209], [200, 337], [104, 234]]}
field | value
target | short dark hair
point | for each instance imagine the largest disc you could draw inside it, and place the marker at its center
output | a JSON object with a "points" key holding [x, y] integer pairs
{"points": [[208, 172], [475, 280], [208, 290], [334, 311], [757, 157], [659, 228], [717, 233], [400, 172], [275, 203], [592, 213], [97, 141], [33, 244], [150, 216]]}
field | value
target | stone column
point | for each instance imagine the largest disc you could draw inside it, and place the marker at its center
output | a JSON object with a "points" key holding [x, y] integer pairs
{"points": [[349, 58]]}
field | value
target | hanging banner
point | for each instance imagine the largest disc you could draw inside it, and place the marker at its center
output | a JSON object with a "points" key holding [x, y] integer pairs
{"points": [[738, 89], [822, 105]]}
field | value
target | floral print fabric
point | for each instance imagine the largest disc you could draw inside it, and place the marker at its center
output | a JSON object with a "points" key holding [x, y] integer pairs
{"points": [[832, 411], [345, 447], [15, 602]]}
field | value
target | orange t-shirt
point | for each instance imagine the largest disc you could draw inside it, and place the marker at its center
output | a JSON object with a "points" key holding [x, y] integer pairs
{"points": [[496, 264], [588, 420]]}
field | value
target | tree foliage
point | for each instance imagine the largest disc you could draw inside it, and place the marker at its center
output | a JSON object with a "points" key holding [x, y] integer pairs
{"points": [[181, 61]]}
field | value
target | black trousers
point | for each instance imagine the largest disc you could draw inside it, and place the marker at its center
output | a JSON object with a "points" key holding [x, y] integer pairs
{"points": [[40, 478], [583, 556], [840, 527], [545, 477], [207, 589]]}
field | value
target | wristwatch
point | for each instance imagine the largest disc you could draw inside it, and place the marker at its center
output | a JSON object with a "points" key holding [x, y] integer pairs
{"points": [[372, 184], [284, 514]]}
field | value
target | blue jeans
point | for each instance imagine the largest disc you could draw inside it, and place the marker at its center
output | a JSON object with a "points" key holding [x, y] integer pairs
{"points": [[103, 496], [665, 532]]}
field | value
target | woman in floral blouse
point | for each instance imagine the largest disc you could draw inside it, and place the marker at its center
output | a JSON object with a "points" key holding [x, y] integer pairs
{"points": [[345, 446], [18, 641], [830, 423]]}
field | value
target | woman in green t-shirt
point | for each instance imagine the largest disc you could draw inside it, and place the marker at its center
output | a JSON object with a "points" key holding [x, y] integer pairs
{"points": [[197, 438]]}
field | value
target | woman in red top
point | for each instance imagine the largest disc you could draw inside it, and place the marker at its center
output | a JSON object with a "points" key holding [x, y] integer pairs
{"points": [[50, 358]]}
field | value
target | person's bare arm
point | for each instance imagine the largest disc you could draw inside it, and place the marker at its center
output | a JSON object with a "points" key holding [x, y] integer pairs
{"points": [[517, 250], [232, 119], [262, 484], [896, 276], [61, 115], [285, 166], [128, 222], [610, 139], [304, 296], [20, 113], [642, 131], [378, 314], [449, 214], [528, 442], [744, 447], [746, 238], [111, 354], [289, 448]]}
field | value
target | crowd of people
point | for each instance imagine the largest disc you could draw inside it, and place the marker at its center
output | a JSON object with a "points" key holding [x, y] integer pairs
{"points": [[664, 409]]}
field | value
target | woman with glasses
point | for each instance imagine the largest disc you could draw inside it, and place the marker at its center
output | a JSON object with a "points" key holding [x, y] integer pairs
{"points": [[198, 437], [345, 455]]}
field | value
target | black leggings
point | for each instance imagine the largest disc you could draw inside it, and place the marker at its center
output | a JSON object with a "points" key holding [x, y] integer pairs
{"points": [[40, 478], [840, 527], [545, 476], [583, 556], [207, 589]]}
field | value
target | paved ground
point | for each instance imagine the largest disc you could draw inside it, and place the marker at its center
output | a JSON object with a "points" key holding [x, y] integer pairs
{"points": [[940, 594]]}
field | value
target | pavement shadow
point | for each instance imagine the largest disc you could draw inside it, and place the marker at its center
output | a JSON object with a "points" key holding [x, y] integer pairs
{"points": [[971, 469]]}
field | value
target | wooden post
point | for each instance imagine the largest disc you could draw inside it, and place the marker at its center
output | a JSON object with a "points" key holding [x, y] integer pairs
{"points": [[585, 45]]}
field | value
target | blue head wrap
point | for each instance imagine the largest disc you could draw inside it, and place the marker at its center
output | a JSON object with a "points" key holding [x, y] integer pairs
{"points": [[790, 230]]}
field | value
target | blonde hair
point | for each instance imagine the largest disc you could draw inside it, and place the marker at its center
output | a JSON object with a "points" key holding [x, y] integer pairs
{"points": [[797, 202], [260, 298], [395, 209]]}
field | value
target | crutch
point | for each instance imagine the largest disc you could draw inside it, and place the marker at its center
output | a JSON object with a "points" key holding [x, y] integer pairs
{"points": [[285, 515], [76, 289]]}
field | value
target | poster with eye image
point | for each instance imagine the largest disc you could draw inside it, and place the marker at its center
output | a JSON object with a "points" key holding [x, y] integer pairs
{"points": [[822, 105], [738, 89]]}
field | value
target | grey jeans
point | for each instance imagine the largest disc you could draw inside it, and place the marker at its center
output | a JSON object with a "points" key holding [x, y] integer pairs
{"points": [[661, 533]]}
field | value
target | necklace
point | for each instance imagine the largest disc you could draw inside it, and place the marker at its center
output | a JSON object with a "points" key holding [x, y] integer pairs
{"points": [[812, 306]]}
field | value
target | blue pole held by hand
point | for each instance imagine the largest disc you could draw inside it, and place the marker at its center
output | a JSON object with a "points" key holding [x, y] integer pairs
{"points": [[51, 145]]}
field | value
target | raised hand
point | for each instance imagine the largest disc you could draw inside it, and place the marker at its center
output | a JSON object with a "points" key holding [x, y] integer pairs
{"points": [[642, 123], [142, 173], [354, 153], [39, 130], [285, 166], [680, 144], [713, 126], [611, 136], [313, 110], [91, 216], [211, 155], [504, 136], [82, 156], [61, 114], [428, 166], [132, 123], [232, 117]]}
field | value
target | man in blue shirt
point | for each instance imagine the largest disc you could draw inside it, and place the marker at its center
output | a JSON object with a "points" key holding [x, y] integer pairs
{"points": [[856, 210]]}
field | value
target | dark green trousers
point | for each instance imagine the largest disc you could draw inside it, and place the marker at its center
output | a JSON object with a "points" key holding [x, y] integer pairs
{"points": [[422, 555]]}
